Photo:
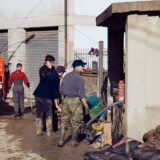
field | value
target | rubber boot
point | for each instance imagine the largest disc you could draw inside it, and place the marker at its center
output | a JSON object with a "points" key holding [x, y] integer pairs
{"points": [[74, 136], [49, 126], [39, 126], [62, 136], [16, 116]]}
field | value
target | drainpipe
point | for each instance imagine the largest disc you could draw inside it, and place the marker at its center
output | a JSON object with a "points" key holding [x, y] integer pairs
{"points": [[65, 23]]}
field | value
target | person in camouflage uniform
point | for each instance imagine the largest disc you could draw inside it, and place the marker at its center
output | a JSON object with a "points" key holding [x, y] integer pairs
{"points": [[72, 88], [72, 108]]}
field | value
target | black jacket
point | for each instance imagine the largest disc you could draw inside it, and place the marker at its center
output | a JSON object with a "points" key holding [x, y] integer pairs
{"points": [[48, 87], [44, 70]]}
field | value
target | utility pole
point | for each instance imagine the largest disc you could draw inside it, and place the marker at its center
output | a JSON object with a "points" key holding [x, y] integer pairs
{"points": [[65, 24]]}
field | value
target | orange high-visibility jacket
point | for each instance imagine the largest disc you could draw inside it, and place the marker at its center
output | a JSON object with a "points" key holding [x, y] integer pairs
{"points": [[2, 73]]}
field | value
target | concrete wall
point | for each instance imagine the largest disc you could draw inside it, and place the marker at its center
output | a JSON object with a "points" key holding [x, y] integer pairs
{"points": [[15, 44], [61, 46], [91, 85], [142, 74], [29, 13], [21, 14]]}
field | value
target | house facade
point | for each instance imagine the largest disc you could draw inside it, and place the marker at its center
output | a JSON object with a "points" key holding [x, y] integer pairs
{"points": [[30, 30]]}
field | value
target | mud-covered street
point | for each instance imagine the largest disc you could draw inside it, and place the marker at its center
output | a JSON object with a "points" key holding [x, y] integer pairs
{"points": [[18, 140]]}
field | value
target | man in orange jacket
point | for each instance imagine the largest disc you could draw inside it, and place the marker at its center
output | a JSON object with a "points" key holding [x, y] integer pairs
{"points": [[2, 78]]}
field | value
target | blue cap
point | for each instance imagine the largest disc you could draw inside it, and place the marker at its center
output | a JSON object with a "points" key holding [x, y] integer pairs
{"points": [[78, 63], [60, 69]]}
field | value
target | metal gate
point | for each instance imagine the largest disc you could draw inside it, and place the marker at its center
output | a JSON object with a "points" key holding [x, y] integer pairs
{"points": [[38, 45], [4, 46]]}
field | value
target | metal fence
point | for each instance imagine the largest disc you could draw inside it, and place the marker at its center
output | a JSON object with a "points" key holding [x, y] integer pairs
{"points": [[84, 55]]}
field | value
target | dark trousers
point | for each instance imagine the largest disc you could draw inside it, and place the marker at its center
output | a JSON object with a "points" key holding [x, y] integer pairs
{"points": [[18, 99], [43, 106], [54, 119]]}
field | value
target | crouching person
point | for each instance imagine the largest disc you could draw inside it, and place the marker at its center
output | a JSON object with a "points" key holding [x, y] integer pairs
{"points": [[47, 89]]}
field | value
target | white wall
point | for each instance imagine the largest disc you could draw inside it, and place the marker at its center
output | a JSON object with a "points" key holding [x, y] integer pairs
{"points": [[142, 74], [30, 13], [19, 14], [15, 45]]}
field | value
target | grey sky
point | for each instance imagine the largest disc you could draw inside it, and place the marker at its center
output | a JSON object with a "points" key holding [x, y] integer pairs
{"points": [[85, 36], [95, 7]]}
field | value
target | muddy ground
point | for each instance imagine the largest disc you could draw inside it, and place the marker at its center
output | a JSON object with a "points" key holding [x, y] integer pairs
{"points": [[18, 140]]}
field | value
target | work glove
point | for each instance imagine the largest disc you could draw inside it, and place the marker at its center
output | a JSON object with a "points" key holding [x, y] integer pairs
{"points": [[28, 85]]}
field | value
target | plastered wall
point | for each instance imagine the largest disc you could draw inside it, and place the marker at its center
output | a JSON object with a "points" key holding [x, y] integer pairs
{"points": [[142, 74]]}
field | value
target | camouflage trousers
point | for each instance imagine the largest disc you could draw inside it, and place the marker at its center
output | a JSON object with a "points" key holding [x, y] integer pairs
{"points": [[72, 113]]}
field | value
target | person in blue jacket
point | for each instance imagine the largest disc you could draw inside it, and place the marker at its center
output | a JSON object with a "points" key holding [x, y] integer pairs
{"points": [[47, 89]]}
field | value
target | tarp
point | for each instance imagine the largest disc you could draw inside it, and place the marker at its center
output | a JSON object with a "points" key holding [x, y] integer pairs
{"points": [[126, 151]]}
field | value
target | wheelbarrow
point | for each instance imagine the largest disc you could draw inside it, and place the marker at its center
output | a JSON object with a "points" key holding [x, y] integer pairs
{"points": [[97, 113]]}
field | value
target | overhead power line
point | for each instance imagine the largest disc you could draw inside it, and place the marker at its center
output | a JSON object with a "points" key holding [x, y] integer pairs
{"points": [[24, 19]]}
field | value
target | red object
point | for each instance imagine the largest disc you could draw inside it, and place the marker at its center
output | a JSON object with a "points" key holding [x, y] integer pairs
{"points": [[120, 142], [2, 81], [121, 87], [17, 75]]}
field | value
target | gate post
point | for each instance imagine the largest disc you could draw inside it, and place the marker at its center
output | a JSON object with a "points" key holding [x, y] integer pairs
{"points": [[100, 69]]}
